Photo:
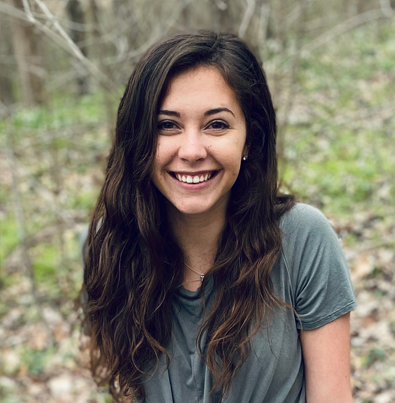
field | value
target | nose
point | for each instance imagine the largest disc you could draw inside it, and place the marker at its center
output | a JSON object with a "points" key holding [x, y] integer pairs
{"points": [[192, 147]]}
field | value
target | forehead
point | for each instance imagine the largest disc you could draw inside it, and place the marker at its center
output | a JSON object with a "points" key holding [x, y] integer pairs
{"points": [[202, 85]]}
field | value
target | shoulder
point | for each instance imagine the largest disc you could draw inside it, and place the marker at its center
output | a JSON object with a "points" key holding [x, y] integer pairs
{"points": [[304, 222], [306, 232], [316, 265]]}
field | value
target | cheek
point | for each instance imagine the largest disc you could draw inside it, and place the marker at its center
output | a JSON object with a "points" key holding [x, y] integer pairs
{"points": [[232, 156], [237, 171], [232, 164], [165, 152]]}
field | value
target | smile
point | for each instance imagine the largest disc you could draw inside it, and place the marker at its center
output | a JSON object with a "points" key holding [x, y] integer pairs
{"points": [[194, 178]]}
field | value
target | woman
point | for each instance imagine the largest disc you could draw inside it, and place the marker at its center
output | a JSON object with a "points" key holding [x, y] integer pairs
{"points": [[204, 284]]}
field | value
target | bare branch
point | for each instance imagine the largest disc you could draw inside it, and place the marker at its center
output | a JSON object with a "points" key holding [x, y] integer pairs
{"points": [[74, 48], [77, 52], [327, 37], [16, 13], [21, 223], [13, 11], [303, 4], [340, 29], [296, 13], [363, 114], [62, 39], [28, 12], [248, 13], [50, 199], [263, 22], [386, 8], [159, 33]]}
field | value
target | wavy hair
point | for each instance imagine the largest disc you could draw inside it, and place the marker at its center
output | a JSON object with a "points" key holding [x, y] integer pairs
{"points": [[129, 280]]}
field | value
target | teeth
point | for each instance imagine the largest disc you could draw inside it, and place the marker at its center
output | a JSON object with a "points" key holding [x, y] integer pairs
{"points": [[194, 179]]}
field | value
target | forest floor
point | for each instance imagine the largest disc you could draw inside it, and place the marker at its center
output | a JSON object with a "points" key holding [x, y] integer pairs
{"points": [[339, 151], [41, 360]]}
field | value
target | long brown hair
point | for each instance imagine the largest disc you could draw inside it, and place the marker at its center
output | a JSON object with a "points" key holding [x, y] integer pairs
{"points": [[134, 265]]}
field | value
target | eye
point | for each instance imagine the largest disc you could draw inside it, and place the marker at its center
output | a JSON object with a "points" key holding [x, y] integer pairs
{"points": [[218, 125], [167, 125]]}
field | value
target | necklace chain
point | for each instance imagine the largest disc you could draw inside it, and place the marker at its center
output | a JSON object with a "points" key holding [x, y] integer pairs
{"points": [[200, 274]]}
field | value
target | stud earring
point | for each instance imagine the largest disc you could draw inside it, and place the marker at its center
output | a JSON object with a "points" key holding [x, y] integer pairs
{"points": [[245, 157]]}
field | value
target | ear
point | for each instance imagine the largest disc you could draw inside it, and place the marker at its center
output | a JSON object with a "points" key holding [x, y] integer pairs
{"points": [[246, 149]]}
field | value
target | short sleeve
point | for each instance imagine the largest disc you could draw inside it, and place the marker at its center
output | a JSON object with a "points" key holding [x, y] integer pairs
{"points": [[319, 274]]}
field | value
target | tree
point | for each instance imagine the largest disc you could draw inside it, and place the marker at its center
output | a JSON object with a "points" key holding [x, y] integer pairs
{"points": [[7, 96], [31, 72], [77, 34]]}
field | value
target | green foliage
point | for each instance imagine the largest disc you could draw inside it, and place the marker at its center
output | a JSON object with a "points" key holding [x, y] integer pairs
{"points": [[340, 154], [36, 360], [83, 200], [64, 111], [339, 147], [7, 395], [45, 263], [57, 149], [374, 355], [8, 236]]}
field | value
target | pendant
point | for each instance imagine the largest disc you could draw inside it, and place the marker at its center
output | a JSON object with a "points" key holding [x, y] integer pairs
{"points": [[202, 277]]}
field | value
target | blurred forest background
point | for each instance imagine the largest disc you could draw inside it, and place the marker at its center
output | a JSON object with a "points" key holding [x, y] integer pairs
{"points": [[63, 67]]}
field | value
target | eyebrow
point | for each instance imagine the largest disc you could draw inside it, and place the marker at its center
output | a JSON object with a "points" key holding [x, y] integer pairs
{"points": [[168, 113], [218, 110], [208, 113]]}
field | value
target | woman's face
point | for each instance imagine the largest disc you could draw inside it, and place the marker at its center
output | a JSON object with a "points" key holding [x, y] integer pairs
{"points": [[201, 142]]}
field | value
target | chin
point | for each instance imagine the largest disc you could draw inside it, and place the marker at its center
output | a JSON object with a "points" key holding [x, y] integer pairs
{"points": [[192, 210], [189, 209], [210, 206]]}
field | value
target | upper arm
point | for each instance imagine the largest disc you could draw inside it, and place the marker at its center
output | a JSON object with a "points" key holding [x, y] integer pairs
{"points": [[319, 274], [322, 297], [326, 355]]}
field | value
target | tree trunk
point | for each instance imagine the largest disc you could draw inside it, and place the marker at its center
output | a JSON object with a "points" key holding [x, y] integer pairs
{"points": [[30, 71], [76, 14], [96, 35], [7, 96], [222, 18]]}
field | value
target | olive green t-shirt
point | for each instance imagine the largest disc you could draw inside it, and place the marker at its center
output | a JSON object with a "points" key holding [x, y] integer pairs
{"points": [[312, 275]]}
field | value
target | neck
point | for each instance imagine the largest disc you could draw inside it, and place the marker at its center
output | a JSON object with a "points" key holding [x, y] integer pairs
{"points": [[197, 236]]}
